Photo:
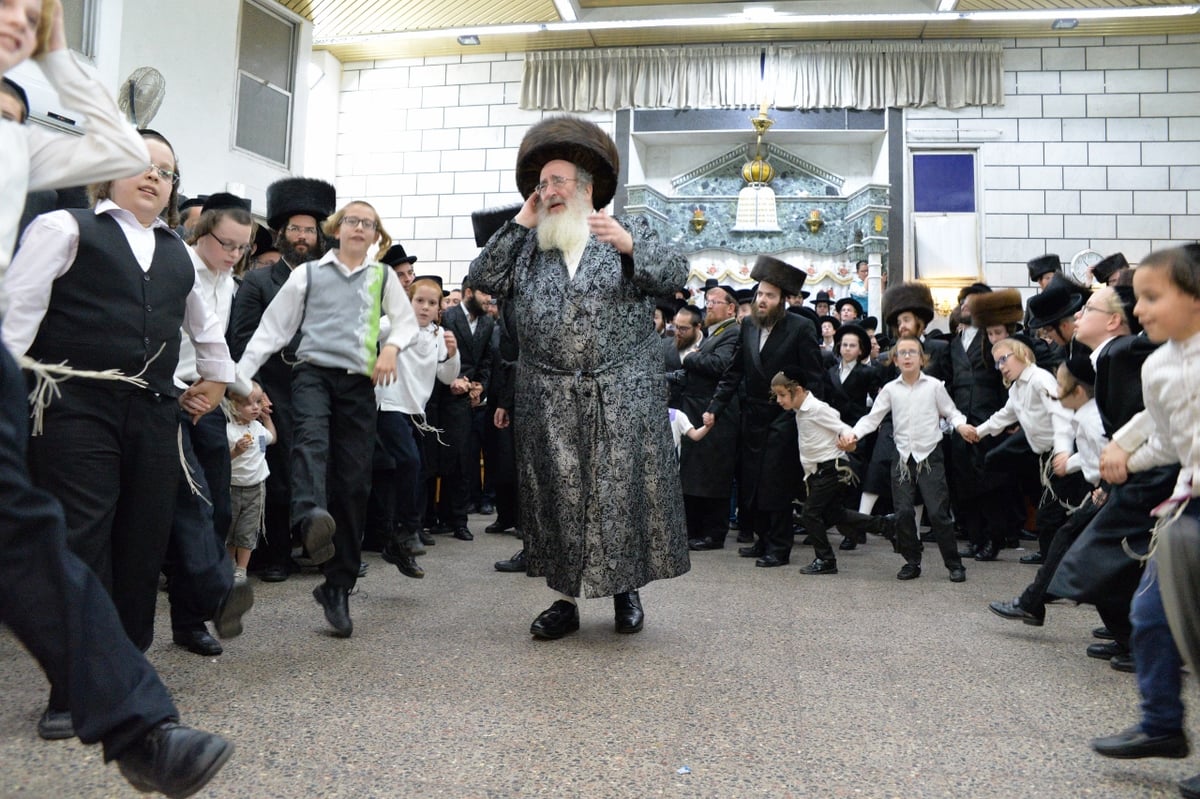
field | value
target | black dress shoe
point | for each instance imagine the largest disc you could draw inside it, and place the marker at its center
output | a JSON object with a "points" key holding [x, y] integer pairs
{"points": [[1123, 663], [1033, 559], [174, 760], [275, 573], [986, 552], [316, 531], [1133, 743], [497, 527], [756, 551], [463, 534], [55, 725], [966, 552], [704, 544], [403, 561], [1107, 651], [1190, 788], [426, 538], [486, 509], [556, 621], [958, 575], [514, 564], [745, 537], [770, 561], [1013, 610], [198, 642], [819, 566], [228, 617], [848, 544], [1103, 633], [336, 603], [909, 571], [628, 610], [885, 526]]}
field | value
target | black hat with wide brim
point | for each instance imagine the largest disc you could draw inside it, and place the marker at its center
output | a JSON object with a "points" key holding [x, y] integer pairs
{"points": [[488, 220], [567, 138], [860, 333], [786, 277], [290, 196], [396, 256], [1061, 298], [849, 301]]}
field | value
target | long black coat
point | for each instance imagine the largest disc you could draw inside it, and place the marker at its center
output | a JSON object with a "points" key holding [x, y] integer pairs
{"points": [[707, 466], [850, 397], [770, 473], [450, 412]]}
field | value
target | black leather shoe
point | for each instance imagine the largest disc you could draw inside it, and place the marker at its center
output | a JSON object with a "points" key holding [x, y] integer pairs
{"points": [[336, 603], [909, 571], [958, 575], [514, 564], [1107, 651], [55, 725], [1103, 633], [756, 551], [486, 509], [1133, 743], [228, 618], [1013, 610], [986, 552], [463, 534], [174, 760], [966, 552], [847, 545], [316, 531], [1190, 788], [198, 642], [498, 527], [406, 563], [426, 538], [1123, 663], [770, 561], [704, 544], [819, 566], [628, 610], [274, 573], [745, 537], [556, 621], [1033, 559], [886, 526]]}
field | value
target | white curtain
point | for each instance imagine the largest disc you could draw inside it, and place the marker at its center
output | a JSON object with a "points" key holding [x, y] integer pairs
{"points": [[822, 75]]}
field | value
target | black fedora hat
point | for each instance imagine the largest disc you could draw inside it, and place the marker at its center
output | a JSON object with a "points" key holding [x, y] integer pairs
{"points": [[1061, 298], [849, 301]]}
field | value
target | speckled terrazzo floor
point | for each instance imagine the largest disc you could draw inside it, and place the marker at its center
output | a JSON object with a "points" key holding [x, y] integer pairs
{"points": [[760, 682]]}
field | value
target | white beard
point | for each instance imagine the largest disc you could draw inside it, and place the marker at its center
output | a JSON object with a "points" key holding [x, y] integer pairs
{"points": [[566, 230]]}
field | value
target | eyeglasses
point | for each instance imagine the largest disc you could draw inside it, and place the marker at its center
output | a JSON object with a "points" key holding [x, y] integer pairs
{"points": [[1003, 359], [490, 302], [557, 181], [165, 175], [907, 354], [230, 247], [718, 302], [1089, 307], [310, 231], [355, 221]]}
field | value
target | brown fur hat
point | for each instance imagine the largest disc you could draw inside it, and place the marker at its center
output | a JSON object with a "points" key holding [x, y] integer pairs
{"points": [[914, 297], [579, 141], [788, 278], [1002, 307]]}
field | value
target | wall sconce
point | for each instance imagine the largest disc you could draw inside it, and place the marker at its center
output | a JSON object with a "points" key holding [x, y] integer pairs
{"points": [[814, 223], [698, 220]]}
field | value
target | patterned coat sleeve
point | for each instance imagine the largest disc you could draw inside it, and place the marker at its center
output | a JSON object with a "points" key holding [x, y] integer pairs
{"points": [[655, 268]]}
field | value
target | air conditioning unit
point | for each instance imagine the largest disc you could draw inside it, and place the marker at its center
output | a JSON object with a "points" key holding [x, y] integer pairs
{"points": [[44, 106]]}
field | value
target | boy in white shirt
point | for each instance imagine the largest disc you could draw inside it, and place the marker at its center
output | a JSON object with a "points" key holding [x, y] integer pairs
{"points": [[918, 403], [249, 432]]}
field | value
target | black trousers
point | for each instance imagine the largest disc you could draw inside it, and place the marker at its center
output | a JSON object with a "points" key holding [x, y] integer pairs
{"points": [[1035, 596], [275, 547], [824, 506], [397, 435], [707, 517], [331, 459], [197, 563], [450, 460], [57, 607], [929, 476], [108, 453]]}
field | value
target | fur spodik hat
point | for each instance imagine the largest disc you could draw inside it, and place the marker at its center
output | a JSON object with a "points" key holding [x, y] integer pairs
{"points": [[579, 141], [1109, 266], [991, 308], [913, 297], [290, 196], [788, 278], [1042, 265]]}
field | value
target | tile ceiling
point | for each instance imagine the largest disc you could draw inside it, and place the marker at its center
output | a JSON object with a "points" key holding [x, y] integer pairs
{"points": [[356, 30]]}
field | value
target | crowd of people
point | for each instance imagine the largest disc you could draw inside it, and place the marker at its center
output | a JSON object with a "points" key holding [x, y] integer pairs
{"points": [[215, 398]]}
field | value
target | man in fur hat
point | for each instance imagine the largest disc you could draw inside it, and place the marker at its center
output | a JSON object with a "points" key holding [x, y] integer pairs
{"points": [[601, 505], [770, 472], [296, 207], [907, 310]]}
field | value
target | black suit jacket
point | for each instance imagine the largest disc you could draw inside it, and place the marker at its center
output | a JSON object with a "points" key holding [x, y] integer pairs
{"points": [[706, 467], [474, 349], [258, 289], [1119, 380], [976, 387], [850, 397]]}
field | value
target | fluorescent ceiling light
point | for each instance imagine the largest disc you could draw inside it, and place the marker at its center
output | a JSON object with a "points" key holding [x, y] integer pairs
{"points": [[1064, 24], [468, 40], [1051, 14], [947, 5], [566, 10]]}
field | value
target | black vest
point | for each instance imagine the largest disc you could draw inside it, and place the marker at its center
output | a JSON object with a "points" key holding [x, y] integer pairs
{"points": [[106, 313]]}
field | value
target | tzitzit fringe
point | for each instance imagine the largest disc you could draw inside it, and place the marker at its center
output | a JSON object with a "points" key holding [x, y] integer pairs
{"points": [[418, 420], [193, 486], [47, 376], [1160, 526], [904, 474], [1048, 493]]}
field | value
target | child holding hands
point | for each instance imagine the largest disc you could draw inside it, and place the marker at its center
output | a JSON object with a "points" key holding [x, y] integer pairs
{"points": [[249, 432]]}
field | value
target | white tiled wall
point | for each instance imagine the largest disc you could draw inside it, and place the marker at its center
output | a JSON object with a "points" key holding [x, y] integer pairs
{"points": [[1097, 145]]}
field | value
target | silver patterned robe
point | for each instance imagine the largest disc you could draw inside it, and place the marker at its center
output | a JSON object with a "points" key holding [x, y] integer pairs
{"points": [[601, 506]]}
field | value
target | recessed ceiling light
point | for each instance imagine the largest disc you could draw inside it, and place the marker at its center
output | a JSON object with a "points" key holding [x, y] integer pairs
{"points": [[1064, 24], [468, 40], [946, 5]]}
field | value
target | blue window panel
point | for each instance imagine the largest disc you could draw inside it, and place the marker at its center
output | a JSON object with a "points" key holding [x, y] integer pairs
{"points": [[944, 183]]}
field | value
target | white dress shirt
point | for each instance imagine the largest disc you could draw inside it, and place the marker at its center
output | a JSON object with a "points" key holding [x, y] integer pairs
{"points": [[48, 251], [917, 410], [1033, 403], [218, 289], [417, 366], [818, 425], [1089, 441], [33, 157]]}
